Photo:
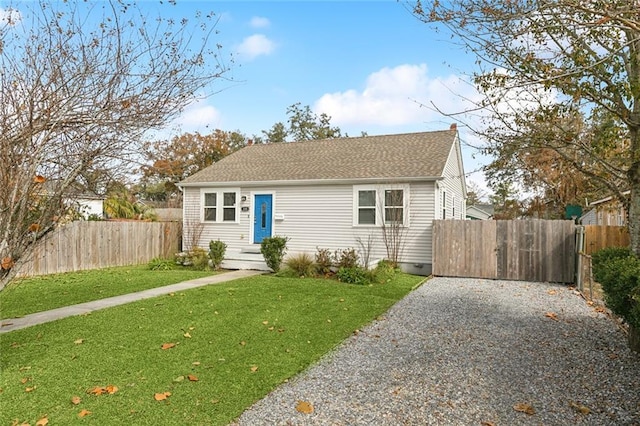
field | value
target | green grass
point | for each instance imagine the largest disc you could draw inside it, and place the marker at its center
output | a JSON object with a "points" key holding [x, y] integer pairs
{"points": [[36, 294], [278, 325]]}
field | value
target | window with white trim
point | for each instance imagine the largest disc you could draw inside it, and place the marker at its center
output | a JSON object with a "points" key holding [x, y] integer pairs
{"points": [[444, 204], [393, 205], [375, 204], [453, 206], [220, 206], [367, 207]]}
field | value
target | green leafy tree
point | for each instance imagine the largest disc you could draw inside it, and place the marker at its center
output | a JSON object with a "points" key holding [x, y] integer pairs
{"points": [[551, 58], [303, 125], [81, 84]]}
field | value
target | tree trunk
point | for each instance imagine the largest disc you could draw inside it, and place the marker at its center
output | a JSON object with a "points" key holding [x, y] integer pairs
{"points": [[634, 186]]}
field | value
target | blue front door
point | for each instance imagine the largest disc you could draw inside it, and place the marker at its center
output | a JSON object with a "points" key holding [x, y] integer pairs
{"points": [[262, 210]]}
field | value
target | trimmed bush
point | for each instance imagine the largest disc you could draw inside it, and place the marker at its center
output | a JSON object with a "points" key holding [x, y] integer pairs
{"points": [[603, 258], [355, 275], [618, 271], [273, 249], [217, 250], [301, 265]]}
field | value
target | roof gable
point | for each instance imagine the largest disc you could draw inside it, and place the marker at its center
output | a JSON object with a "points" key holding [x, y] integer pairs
{"points": [[409, 155]]}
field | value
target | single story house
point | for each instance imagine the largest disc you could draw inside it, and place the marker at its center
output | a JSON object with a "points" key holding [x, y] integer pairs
{"points": [[480, 212], [331, 194], [609, 211]]}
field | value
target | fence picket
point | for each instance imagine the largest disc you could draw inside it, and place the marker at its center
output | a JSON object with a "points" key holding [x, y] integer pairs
{"points": [[531, 250], [85, 245]]}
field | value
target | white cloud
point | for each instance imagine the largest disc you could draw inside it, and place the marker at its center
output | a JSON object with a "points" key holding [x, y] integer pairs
{"points": [[259, 22], [255, 45], [199, 117], [10, 17], [397, 96]]}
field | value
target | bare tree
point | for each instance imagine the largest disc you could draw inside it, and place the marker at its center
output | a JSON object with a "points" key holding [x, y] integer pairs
{"points": [[80, 85], [394, 230], [541, 62]]}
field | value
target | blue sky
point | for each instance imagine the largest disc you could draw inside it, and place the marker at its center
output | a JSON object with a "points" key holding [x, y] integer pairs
{"points": [[367, 64]]}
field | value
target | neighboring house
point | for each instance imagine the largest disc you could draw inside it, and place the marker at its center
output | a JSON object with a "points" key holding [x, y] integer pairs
{"points": [[609, 211], [330, 194], [480, 212], [589, 218], [85, 202]]}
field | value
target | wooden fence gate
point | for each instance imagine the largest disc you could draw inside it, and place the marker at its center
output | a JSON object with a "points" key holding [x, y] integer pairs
{"points": [[528, 250]]}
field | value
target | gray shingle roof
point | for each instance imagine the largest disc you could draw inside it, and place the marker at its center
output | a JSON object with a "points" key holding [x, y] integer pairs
{"points": [[409, 155]]}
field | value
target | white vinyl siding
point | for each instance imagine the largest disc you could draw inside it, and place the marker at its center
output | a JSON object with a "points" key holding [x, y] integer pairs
{"points": [[319, 216], [452, 187]]}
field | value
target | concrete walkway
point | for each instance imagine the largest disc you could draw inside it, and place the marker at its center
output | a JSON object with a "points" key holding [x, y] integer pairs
{"points": [[8, 325]]}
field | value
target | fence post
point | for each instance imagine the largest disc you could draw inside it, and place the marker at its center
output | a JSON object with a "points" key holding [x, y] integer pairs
{"points": [[579, 249]]}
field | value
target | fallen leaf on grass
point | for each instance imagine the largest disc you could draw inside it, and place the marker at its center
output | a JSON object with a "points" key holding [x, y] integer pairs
{"points": [[42, 422], [192, 378], [254, 368], [99, 390], [265, 322], [76, 400], [243, 343], [196, 363], [179, 379], [24, 380], [161, 396], [166, 346], [524, 408], [187, 335], [304, 407], [31, 389], [552, 315], [84, 413], [79, 341], [582, 409]]}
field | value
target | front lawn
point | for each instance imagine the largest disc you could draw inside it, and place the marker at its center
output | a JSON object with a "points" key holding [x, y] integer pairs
{"points": [[35, 294], [225, 347]]}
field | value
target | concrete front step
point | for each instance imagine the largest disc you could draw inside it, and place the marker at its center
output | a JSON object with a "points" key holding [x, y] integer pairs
{"points": [[245, 260]]}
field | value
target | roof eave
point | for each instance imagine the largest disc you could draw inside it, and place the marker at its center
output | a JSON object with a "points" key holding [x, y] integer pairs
{"points": [[302, 182]]}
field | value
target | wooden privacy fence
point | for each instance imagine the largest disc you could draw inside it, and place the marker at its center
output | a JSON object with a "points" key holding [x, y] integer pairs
{"points": [[531, 250], [84, 245], [597, 237]]}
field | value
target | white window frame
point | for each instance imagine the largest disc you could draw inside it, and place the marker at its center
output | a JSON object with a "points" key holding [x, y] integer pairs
{"points": [[220, 207], [443, 207], [380, 203], [453, 206]]}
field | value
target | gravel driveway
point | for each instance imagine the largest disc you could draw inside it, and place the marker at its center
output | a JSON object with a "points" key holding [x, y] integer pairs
{"points": [[471, 352]]}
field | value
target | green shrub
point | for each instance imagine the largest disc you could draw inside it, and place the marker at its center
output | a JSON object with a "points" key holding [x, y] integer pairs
{"points": [[323, 261], [217, 250], [383, 272], [355, 275], [199, 258], [618, 271], [273, 249], [302, 265], [602, 259], [347, 258], [159, 264]]}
